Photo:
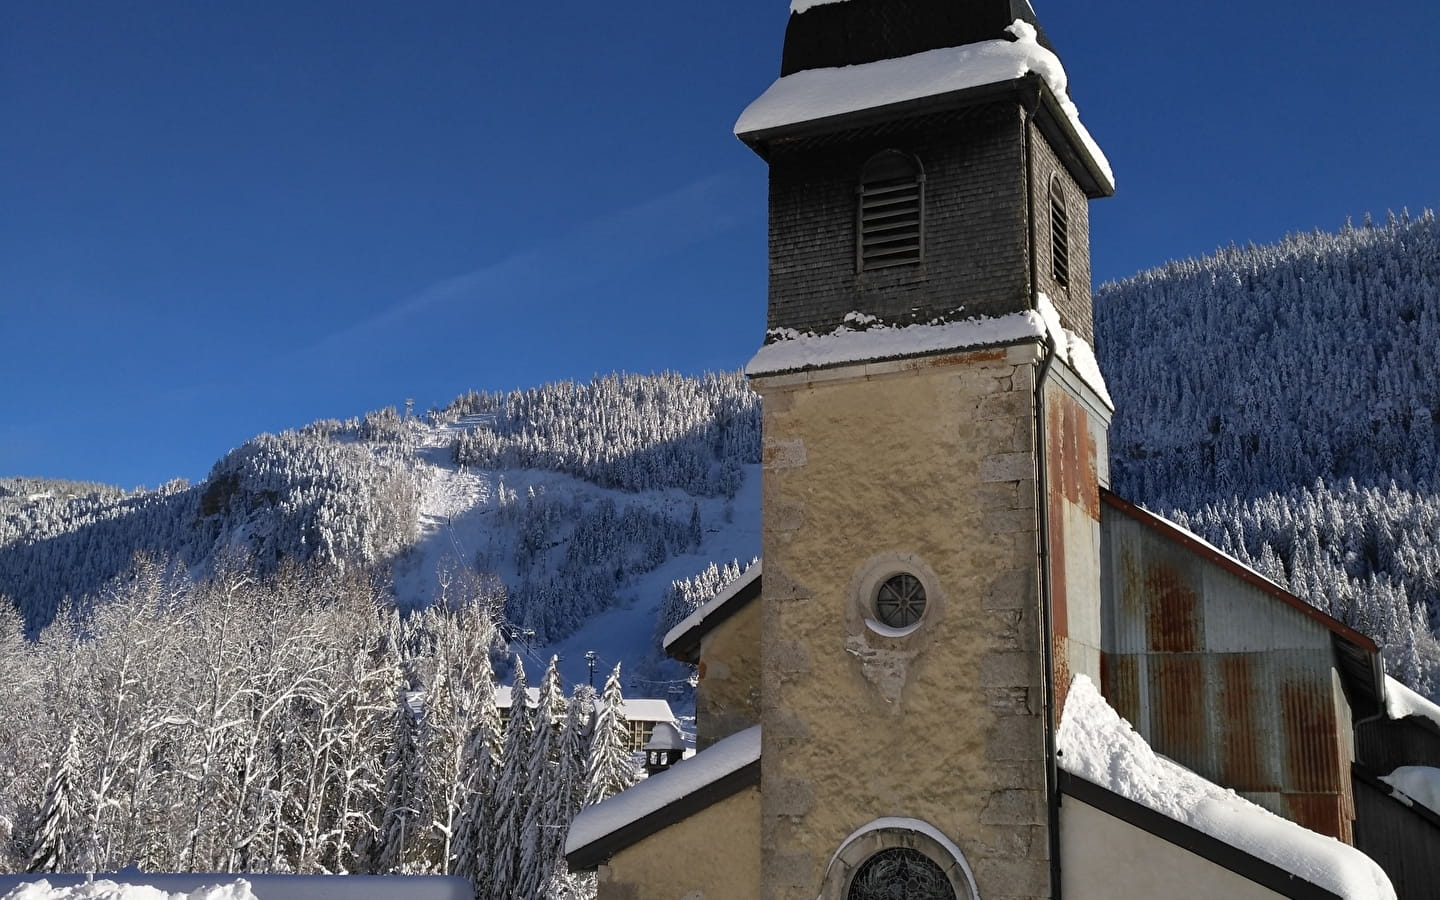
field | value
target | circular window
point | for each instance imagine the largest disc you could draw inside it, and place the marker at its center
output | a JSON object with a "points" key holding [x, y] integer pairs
{"points": [[900, 602], [900, 874]]}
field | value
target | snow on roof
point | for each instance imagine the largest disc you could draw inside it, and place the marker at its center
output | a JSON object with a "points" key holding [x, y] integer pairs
{"points": [[814, 94], [1100, 747], [1073, 349], [1418, 783], [1400, 702], [647, 711], [799, 6], [723, 758], [110, 890], [795, 351], [639, 710], [132, 884], [710, 606]]}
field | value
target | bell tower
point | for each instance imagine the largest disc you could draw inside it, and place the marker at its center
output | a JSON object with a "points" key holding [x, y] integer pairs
{"points": [[934, 431]]}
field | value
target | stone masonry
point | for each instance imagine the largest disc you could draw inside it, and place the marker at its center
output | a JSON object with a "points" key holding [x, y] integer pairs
{"points": [[924, 466]]}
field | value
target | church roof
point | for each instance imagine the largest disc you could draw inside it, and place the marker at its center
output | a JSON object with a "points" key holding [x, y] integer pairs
{"points": [[722, 770], [1013, 63], [683, 641], [848, 33]]}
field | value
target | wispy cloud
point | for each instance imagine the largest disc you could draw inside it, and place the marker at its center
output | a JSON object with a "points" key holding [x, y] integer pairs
{"points": [[613, 243]]}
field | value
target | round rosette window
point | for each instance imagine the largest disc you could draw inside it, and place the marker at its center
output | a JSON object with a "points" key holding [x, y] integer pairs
{"points": [[900, 602]]}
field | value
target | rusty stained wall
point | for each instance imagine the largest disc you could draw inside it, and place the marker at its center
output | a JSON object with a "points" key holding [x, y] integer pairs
{"points": [[1223, 678], [1076, 465]]}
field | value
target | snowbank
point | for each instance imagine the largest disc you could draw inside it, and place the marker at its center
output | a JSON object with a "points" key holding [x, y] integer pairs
{"points": [[1099, 746], [110, 890], [1419, 783], [1400, 702], [660, 790], [814, 94]]}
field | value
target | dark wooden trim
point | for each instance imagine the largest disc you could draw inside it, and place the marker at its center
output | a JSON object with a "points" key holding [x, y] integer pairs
{"points": [[1252, 868], [686, 647], [1244, 573], [590, 856]]}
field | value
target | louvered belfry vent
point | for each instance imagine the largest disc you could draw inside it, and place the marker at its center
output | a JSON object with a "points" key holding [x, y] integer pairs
{"points": [[891, 214], [1059, 235]]}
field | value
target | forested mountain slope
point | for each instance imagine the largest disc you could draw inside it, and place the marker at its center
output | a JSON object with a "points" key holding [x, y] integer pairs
{"points": [[1283, 402], [288, 667], [563, 493]]}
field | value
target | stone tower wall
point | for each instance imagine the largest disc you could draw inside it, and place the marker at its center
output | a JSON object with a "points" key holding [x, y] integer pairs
{"points": [[924, 466]]}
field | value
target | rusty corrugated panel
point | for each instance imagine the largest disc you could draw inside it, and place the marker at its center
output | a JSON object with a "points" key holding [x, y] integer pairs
{"points": [[1172, 619], [1054, 474], [1172, 534], [1245, 741], [1311, 746], [1158, 606], [1325, 813], [1120, 685], [1179, 726], [1060, 660]]}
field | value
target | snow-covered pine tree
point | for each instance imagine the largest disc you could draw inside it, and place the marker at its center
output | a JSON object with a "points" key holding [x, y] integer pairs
{"points": [[570, 794], [402, 823], [546, 812], [610, 766], [512, 790], [53, 849]]}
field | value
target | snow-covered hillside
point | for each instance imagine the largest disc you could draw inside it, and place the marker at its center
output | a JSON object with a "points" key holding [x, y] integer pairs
{"points": [[1282, 402]]}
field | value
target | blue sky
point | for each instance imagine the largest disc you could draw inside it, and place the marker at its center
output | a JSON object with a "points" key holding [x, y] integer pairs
{"points": [[223, 219]]}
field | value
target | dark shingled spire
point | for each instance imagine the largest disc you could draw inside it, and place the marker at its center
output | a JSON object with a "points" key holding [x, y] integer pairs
{"points": [[862, 31]]}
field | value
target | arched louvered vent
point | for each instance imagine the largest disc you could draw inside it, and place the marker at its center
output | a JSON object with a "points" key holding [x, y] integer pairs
{"points": [[891, 226], [1059, 235]]}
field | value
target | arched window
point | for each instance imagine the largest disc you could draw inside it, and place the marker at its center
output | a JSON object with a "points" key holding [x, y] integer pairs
{"points": [[892, 858], [1059, 234], [900, 872], [891, 215]]}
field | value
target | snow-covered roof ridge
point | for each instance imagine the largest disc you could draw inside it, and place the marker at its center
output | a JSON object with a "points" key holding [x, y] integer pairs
{"points": [[814, 94], [799, 6], [796, 352], [865, 338], [636, 709], [1098, 746], [709, 607], [1401, 701], [725, 757]]}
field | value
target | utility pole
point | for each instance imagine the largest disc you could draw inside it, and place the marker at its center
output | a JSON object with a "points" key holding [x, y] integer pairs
{"points": [[590, 657]]}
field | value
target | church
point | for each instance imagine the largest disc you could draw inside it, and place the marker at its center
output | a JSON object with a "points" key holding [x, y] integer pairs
{"points": [[965, 669]]}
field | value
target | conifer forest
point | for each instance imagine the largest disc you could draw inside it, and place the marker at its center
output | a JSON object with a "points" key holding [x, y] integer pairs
{"points": [[291, 666]]}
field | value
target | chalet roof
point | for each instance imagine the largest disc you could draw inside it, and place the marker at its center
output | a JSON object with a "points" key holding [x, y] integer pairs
{"points": [[683, 641], [1358, 656], [666, 737], [827, 35], [636, 710], [720, 771]]}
